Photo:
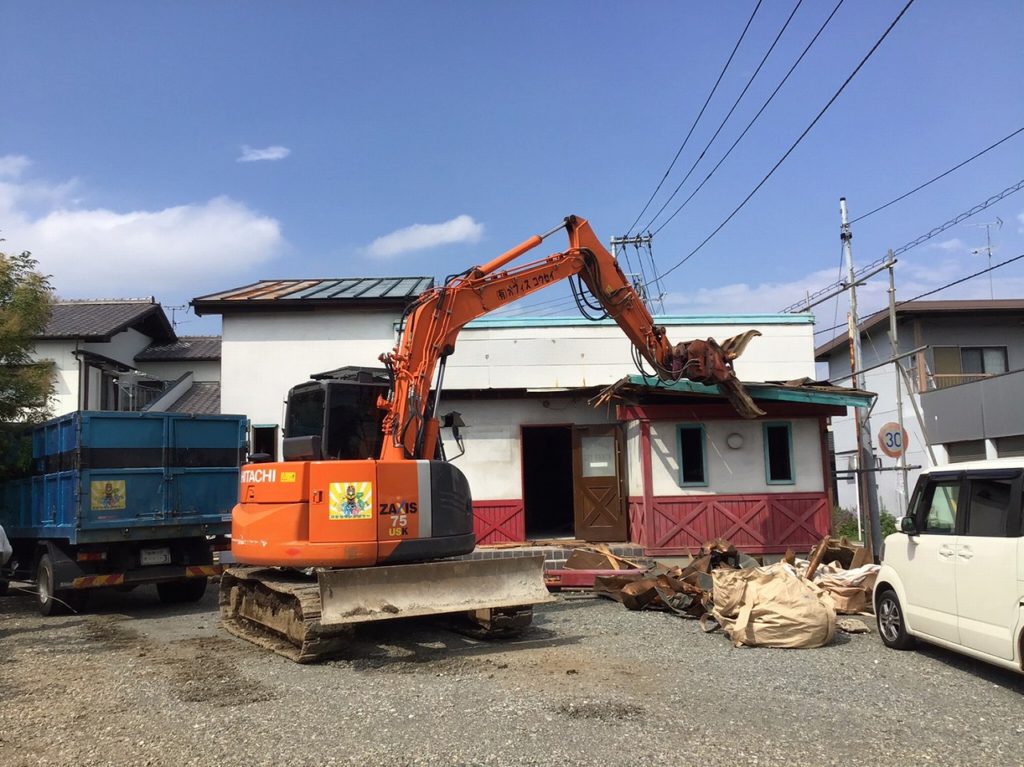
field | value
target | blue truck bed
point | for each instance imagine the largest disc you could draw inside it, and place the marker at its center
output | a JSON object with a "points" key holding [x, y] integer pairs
{"points": [[105, 476], [119, 499]]}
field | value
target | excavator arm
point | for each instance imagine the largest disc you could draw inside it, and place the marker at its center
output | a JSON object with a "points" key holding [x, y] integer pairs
{"points": [[433, 322]]}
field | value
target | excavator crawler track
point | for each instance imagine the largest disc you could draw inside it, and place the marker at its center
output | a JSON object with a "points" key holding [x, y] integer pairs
{"points": [[283, 610]]}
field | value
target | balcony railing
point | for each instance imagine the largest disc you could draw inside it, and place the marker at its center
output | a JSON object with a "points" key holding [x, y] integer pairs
{"points": [[945, 380]]}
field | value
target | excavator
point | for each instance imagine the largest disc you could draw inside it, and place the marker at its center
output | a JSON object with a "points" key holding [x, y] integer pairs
{"points": [[364, 519]]}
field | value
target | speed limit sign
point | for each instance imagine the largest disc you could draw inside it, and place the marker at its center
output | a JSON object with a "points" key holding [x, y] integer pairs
{"points": [[892, 439]]}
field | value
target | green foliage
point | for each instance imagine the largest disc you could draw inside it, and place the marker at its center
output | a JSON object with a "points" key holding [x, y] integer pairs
{"points": [[888, 522], [26, 299], [844, 523]]}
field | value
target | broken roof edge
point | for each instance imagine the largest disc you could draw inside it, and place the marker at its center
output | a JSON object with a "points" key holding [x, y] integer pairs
{"points": [[765, 391], [665, 319]]}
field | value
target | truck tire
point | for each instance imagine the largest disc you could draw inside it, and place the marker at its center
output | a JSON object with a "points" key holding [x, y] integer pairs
{"points": [[179, 592], [47, 596], [50, 600], [891, 626]]}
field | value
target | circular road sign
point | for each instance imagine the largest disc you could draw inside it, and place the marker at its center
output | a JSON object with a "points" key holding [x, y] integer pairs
{"points": [[892, 439]]}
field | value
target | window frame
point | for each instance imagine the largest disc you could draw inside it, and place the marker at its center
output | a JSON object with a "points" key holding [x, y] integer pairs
{"points": [[1012, 521], [767, 455], [680, 427], [982, 350]]}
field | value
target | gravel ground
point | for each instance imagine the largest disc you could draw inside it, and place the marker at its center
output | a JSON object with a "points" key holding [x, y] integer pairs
{"points": [[136, 683]]}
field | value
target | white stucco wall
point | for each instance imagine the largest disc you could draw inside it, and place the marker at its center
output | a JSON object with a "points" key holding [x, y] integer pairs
{"points": [[493, 459], [66, 375], [122, 347], [510, 354], [265, 355], [729, 471]]}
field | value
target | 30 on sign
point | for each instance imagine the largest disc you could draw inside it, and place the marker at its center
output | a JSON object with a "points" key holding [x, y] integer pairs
{"points": [[892, 439]]}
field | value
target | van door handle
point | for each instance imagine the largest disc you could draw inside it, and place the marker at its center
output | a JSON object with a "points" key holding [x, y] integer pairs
{"points": [[964, 553], [946, 552]]}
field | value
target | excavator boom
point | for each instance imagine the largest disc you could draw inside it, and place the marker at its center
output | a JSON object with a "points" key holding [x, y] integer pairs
{"points": [[371, 526]]}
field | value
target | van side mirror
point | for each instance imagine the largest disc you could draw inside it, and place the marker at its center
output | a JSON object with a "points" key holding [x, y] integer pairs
{"points": [[907, 526]]}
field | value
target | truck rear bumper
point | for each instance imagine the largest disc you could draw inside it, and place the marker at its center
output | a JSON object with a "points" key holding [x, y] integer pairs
{"points": [[142, 576]]}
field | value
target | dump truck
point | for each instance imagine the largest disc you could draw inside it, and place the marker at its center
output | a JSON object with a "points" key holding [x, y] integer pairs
{"points": [[364, 518], [121, 499]]}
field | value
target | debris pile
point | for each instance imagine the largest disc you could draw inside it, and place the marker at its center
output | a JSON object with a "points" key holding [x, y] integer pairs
{"points": [[792, 603]]}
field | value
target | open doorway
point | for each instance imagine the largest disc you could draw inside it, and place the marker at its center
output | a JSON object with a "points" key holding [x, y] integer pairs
{"points": [[547, 481]]}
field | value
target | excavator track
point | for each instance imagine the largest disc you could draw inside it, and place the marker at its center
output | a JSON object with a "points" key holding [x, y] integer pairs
{"points": [[284, 610]]}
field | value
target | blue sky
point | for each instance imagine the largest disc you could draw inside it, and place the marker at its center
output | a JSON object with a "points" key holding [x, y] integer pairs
{"points": [[178, 149]]}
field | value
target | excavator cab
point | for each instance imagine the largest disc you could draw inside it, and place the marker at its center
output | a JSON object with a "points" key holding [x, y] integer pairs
{"points": [[335, 416]]}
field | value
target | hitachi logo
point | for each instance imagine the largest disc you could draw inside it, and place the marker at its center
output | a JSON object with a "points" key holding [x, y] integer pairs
{"points": [[259, 475]]}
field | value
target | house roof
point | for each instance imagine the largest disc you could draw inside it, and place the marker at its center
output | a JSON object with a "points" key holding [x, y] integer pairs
{"points": [[202, 397], [352, 292], [1009, 306], [185, 348], [801, 390], [101, 320]]}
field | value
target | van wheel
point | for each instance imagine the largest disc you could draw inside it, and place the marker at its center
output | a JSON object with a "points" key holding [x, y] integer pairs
{"points": [[177, 592], [891, 626]]}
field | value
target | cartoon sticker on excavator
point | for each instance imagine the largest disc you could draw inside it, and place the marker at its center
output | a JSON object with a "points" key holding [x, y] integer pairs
{"points": [[351, 500]]}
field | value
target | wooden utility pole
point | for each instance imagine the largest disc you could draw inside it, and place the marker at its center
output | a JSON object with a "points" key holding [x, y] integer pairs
{"points": [[867, 490]]}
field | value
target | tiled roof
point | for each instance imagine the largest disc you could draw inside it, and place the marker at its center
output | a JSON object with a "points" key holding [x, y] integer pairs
{"points": [[101, 320], [185, 348], [202, 398], [338, 291]]}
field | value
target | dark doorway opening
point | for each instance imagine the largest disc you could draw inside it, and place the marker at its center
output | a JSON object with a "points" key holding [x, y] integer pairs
{"points": [[547, 481]]}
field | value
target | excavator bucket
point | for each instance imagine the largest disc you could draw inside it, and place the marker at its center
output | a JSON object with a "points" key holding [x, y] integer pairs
{"points": [[364, 594], [307, 618]]}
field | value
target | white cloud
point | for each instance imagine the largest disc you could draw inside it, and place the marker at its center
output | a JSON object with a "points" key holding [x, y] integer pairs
{"points": [[912, 279], [13, 165], [251, 154], [98, 252], [422, 236], [954, 245]]}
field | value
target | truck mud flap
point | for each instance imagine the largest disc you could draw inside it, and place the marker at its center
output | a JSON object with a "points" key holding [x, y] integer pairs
{"points": [[365, 594]]}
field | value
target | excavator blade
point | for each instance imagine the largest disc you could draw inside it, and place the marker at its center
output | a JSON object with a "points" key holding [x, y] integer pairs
{"points": [[308, 618], [379, 593]]}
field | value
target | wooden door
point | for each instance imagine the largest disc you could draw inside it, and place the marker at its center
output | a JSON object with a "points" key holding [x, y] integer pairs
{"points": [[598, 471]]}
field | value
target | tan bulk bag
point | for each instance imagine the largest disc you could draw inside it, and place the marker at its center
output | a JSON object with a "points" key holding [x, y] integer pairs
{"points": [[772, 607]]}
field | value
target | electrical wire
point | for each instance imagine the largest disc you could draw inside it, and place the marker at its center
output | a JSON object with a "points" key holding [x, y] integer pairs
{"points": [[940, 176], [939, 289], [697, 120], [1012, 189], [757, 115], [796, 143], [721, 125]]}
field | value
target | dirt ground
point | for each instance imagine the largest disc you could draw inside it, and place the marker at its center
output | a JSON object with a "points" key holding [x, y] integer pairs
{"points": [[135, 682]]}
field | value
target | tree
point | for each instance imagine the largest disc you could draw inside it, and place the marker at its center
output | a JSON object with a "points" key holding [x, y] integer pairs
{"points": [[26, 299]]}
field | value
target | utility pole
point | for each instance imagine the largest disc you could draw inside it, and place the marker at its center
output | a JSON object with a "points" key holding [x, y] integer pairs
{"points": [[639, 280], [867, 490], [895, 345]]}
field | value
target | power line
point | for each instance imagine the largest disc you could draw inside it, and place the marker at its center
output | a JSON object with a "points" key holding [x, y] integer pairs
{"points": [[800, 305], [721, 125], [699, 114], [932, 292], [756, 116], [796, 143], [940, 176]]}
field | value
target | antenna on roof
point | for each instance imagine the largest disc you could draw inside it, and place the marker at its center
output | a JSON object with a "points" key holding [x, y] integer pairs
{"points": [[174, 314]]}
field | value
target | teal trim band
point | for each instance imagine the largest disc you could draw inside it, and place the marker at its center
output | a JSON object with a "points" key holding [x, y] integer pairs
{"points": [[764, 392], [680, 319]]}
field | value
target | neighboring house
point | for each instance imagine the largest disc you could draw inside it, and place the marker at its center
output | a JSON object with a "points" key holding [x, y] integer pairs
{"points": [[966, 378], [123, 354], [542, 460]]}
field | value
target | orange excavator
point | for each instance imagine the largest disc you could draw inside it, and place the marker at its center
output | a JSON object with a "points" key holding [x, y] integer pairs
{"points": [[362, 519]]}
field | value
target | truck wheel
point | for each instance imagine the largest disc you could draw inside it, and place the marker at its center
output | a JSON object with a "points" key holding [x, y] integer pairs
{"points": [[177, 592], [891, 625], [48, 604]]}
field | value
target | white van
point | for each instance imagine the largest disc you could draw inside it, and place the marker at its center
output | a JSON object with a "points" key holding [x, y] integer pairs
{"points": [[954, 574]]}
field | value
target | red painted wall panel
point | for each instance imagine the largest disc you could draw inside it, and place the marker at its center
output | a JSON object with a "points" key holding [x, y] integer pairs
{"points": [[756, 524], [637, 530], [499, 522]]}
